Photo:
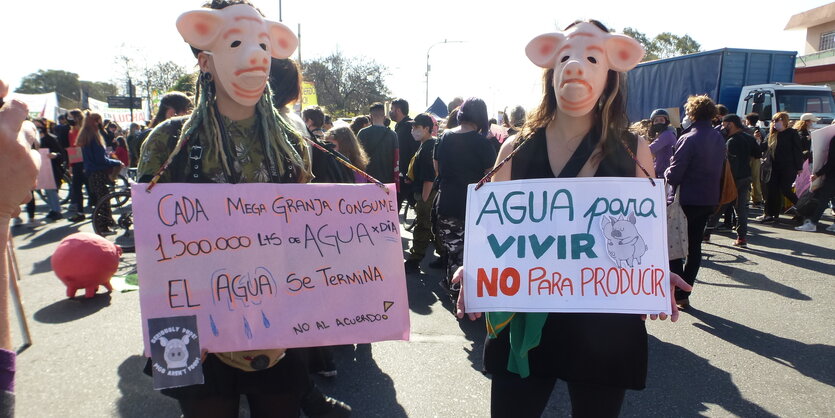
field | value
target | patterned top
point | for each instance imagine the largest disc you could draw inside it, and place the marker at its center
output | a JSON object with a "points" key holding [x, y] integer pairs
{"points": [[244, 139]]}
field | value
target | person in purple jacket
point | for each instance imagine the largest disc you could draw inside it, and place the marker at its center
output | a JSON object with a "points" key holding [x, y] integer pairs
{"points": [[696, 169], [663, 139]]}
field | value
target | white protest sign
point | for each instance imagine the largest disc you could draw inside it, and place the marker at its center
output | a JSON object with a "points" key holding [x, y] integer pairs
{"points": [[567, 245]]}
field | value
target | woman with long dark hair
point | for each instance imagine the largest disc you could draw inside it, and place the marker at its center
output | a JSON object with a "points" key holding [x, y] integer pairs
{"points": [[578, 130], [97, 165], [786, 155], [462, 156]]}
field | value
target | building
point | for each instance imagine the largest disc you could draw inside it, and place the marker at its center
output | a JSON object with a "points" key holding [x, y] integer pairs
{"points": [[817, 64]]}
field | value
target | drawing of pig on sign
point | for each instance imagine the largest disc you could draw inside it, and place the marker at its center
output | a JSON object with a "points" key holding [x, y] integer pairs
{"points": [[623, 241], [176, 352]]}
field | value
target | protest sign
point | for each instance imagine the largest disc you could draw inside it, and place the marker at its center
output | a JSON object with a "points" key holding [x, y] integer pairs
{"points": [[272, 265], [567, 245], [46, 181]]}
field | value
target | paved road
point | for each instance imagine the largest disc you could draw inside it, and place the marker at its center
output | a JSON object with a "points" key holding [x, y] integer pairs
{"points": [[758, 341]]}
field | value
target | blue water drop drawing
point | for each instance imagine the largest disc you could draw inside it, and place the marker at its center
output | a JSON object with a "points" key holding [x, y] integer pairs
{"points": [[214, 327], [247, 329], [266, 321]]}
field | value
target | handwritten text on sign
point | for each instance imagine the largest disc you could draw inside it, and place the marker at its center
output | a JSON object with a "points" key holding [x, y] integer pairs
{"points": [[272, 265], [567, 245]]}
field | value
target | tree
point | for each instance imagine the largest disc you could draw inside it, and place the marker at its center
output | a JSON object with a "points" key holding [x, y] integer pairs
{"points": [[161, 77], [346, 86], [99, 90], [186, 84], [67, 85], [665, 45]]}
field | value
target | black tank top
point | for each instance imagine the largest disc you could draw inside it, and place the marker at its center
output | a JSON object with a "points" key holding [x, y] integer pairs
{"points": [[603, 349]]}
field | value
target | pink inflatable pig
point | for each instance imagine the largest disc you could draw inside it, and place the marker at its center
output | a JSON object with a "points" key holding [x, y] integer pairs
{"points": [[85, 261]]}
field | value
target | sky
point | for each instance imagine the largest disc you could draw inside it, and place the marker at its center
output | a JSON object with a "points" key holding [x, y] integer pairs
{"points": [[486, 60]]}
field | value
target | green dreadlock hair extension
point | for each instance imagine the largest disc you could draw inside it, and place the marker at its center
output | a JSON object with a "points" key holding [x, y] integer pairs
{"points": [[278, 134]]}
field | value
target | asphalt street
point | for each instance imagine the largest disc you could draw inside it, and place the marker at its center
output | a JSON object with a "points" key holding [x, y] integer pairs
{"points": [[758, 341]]}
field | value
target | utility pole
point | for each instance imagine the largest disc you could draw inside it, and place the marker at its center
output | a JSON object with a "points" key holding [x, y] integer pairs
{"points": [[279, 11], [428, 67], [299, 34]]}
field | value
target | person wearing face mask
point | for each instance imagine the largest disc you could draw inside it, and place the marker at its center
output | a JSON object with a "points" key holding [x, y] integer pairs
{"points": [[663, 138], [421, 172], [741, 149], [786, 157]]}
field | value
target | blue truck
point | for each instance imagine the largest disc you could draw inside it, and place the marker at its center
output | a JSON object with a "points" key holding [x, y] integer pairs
{"points": [[744, 80]]}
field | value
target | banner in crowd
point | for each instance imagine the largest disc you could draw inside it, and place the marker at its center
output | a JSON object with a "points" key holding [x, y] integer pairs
{"points": [[120, 116], [567, 245], [40, 105], [264, 266]]}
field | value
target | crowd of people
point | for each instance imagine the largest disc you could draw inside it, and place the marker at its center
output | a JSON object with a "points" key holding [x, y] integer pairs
{"points": [[241, 138]]}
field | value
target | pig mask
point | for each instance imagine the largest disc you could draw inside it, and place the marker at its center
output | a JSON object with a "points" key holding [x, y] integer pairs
{"points": [[581, 58], [241, 42]]}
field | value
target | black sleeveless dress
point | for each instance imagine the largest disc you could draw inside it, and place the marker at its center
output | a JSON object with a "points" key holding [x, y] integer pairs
{"points": [[602, 349]]}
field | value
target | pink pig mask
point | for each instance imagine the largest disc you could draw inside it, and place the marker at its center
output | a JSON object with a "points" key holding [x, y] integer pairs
{"points": [[241, 43], [581, 58]]}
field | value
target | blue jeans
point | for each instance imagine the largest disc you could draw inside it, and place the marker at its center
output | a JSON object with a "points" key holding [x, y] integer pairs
{"points": [[79, 179], [52, 200]]}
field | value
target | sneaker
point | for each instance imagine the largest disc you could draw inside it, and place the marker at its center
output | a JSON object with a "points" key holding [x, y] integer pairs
{"points": [[78, 217], [318, 405], [438, 263], [807, 226], [831, 228], [35, 222], [741, 242], [766, 219], [683, 304], [54, 216], [791, 211], [412, 266]]}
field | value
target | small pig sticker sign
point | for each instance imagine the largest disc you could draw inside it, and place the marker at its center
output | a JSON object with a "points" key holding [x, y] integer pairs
{"points": [[175, 352]]}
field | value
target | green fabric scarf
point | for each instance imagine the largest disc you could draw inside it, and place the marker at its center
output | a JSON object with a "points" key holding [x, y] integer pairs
{"points": [[525, 333]]}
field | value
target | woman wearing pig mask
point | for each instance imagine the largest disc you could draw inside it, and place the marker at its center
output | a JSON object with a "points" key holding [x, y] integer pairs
{"points": [[578, 130], [233, 136]]}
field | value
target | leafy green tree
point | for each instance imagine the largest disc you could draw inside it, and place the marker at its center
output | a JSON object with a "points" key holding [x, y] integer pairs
{"points": [[346, 86], [67, 85], [664, 45], [186, 84]]}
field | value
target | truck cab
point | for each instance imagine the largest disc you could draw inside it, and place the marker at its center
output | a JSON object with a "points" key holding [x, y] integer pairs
{"points": [[796, 99]]}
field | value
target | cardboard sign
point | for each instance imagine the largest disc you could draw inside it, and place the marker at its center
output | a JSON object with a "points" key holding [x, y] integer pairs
{"points": [[266, 266], [46, 181], [567, 245]]}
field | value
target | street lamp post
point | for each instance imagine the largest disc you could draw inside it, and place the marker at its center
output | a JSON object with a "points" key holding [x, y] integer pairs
{"points": [[427, 64]]}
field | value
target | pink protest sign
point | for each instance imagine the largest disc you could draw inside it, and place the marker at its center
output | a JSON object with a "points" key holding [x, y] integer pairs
{"points": [[272, 265]]}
